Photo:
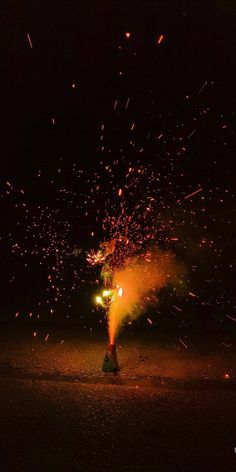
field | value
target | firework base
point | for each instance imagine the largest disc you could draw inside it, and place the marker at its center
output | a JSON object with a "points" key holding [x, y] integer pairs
{"points": [[110, 363]]}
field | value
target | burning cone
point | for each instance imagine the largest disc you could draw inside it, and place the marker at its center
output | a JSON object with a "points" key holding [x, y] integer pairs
{"points": [[110, 363]]}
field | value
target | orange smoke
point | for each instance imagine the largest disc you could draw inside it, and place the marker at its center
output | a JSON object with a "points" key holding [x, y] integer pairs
{"points": [[137, 284]]}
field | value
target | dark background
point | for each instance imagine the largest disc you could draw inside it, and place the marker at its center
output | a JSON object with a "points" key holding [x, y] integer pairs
{"points": [[77, 42], [84, 43]]}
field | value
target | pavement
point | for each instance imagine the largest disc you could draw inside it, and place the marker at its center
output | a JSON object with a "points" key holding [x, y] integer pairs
{"points": [[170, 408]]}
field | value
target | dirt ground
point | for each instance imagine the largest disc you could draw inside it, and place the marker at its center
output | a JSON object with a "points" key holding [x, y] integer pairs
{"points": [[170, 408]]}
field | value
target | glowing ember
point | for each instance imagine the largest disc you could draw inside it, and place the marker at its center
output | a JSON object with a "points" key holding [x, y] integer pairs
{"points": [[29, 39], [160, 39], [99, 300], [94, 258]]}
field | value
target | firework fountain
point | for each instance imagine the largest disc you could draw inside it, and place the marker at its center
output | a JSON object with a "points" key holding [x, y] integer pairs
{"points": [[130, 285], [134, 266]]}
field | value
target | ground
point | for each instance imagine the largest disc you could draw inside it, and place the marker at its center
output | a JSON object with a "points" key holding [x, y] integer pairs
{"points": [[171, 407]]}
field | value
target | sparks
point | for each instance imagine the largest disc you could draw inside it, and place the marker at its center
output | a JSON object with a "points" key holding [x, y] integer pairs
{"points": [[202, 88], [95, 257], [177, 308], [193, 193], [231, 318], [160, 39], [98, 300], [191, 134], [182, 342], [29, 39], [127, 103]]}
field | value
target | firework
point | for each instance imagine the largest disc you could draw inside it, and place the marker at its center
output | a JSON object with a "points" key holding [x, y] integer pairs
{"points": [[95, 257], [110, 363]]}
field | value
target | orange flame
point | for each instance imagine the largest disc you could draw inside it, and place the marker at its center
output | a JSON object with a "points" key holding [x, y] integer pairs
{"points": [[140, 279]]}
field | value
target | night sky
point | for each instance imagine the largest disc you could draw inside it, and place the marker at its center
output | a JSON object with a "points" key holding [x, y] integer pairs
{"points": [[90, 89]]}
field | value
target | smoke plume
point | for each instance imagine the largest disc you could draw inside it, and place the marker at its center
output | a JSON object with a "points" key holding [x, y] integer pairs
{"points": [[137, 284]]}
